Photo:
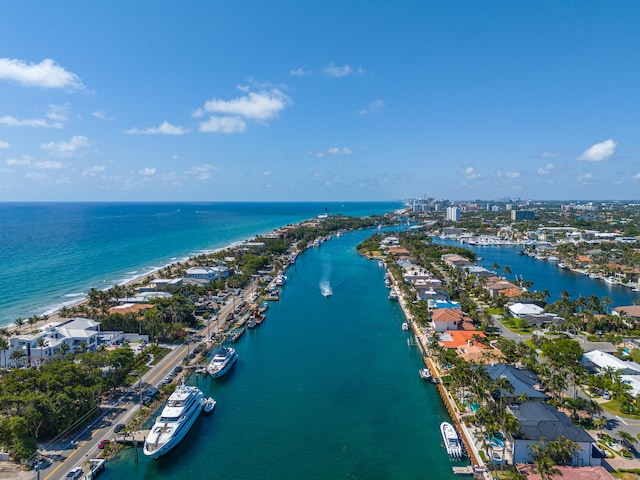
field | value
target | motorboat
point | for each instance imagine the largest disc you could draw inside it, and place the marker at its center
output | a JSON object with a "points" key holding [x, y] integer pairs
{"points": [[405, 326], [325, 288], [424, 373], [451, 440], [208, 404], [178, 415], [222, 362], [393, 295]]}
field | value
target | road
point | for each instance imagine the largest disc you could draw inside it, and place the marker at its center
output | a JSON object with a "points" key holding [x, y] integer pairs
{"points": [[76, 451]]}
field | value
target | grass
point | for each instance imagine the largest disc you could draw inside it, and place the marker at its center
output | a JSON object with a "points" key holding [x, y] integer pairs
{"points": [[612, 407]]}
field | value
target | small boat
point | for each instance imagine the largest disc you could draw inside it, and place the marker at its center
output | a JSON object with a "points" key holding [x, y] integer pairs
{"points": [[405, 326], [451, 440], [251, 323], [208, 404], [393, 295], [222, 362], [325, 288], [424, 373]]}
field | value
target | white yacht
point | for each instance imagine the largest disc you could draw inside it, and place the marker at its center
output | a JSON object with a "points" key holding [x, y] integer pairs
{"points": [[222, 362], [177, 417], [451, 440]]}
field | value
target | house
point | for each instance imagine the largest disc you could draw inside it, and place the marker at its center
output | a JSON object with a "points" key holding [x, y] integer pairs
{"points": [[521, 309], [208, 273], [542, 320], [495, 285], [541, 422], [444, 319], [598, 361], [524, 382], [130, 308], [78, 334], [569, 473], [471, 346], [632, 311]]}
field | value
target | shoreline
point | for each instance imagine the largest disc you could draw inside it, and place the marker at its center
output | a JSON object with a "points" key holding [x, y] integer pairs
{"points": [[53, 314]]}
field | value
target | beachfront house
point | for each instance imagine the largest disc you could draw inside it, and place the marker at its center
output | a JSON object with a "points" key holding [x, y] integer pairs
{"points": [[542, 422], [78, 334], [208, 274]]}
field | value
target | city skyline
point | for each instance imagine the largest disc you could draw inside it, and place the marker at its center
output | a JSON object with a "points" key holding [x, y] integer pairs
{"points": [[285, 101]]}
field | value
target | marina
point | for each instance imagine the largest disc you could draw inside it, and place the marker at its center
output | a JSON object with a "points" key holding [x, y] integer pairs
{"points": [[302, 367]]}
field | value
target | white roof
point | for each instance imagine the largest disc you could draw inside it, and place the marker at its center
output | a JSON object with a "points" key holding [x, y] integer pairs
{"points": [[525, 309], [604, 360], [633, 381]]}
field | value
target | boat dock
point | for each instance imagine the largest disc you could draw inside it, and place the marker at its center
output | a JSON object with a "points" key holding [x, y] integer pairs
{"points": [[97, 467], [131, 438]]}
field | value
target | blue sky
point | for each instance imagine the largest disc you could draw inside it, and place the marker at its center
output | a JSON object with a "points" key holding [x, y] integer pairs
{"points": [[314, 101]]}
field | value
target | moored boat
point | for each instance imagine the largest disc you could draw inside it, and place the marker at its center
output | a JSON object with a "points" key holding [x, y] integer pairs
{"points": [[424, 373], [178, 415], [208, 404], [222, 362], [451, 440]]}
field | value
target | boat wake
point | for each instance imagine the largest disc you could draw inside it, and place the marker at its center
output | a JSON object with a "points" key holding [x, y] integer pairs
{"points": [[325, 288]]}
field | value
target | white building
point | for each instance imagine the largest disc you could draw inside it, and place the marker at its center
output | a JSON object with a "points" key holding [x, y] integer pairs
{"points": [[208, 273], [453, 214], [78, 334]]}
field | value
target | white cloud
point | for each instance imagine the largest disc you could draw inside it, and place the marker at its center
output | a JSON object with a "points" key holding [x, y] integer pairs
{"points": [[512, 174], [165, 128], [29, 122], [223, 125], [599, 152], [46, 74], [76, 146], [101, 115], [300, 72], [548, 154], [546, 170], [4, 144], [339, 151], [266, 174], [147, 171], [92, 171], [636, 176], [49, 165], [35, 176], [201, 172], [335, 71], [262, 105], [470, 173], [584, 177], [24, 160], [374, 107]]}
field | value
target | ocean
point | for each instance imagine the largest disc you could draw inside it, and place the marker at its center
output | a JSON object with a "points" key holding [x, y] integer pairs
{"points": [[325, 388], [51, 254]]}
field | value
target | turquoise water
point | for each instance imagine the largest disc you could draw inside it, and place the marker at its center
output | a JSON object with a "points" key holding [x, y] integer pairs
{"points": [[325, 388], [51, 254]]}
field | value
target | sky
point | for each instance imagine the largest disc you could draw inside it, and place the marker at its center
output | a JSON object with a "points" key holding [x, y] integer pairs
{"points": [[319, 100]]}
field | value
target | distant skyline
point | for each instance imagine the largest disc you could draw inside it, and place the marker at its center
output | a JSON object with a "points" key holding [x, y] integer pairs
{"points": [[319, 101]]}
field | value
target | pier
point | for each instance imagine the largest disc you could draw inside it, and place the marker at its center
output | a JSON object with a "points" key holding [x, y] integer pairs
{"points": [[137, 437]]}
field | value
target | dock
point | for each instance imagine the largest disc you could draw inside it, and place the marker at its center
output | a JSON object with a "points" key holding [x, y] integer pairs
{"points": [[131, 438]]}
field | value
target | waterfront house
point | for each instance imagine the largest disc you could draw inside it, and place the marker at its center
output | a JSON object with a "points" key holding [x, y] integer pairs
{"points": [[631, 311], [520, 309], [541, 422], [525, 383], [471, 346], [568, 473], [495, 285], [208, 273], [443, 319], [79, 334]]}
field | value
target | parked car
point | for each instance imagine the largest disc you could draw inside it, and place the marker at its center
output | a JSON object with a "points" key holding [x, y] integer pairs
{"points": [[606, 395], [119, 427], [103, 443]]}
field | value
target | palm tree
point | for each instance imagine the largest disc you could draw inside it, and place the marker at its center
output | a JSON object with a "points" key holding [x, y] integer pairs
{"points": [[19, 323], [600, 423], [4, 346], [42, 342], [503, 385], [16, 356], [626, 439]]}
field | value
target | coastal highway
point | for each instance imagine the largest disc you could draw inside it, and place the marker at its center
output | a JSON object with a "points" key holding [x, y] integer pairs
{"points": [[76, 451]]}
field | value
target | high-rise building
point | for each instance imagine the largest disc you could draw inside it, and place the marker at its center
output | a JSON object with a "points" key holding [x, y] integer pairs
{"points": [[453, 214]]}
